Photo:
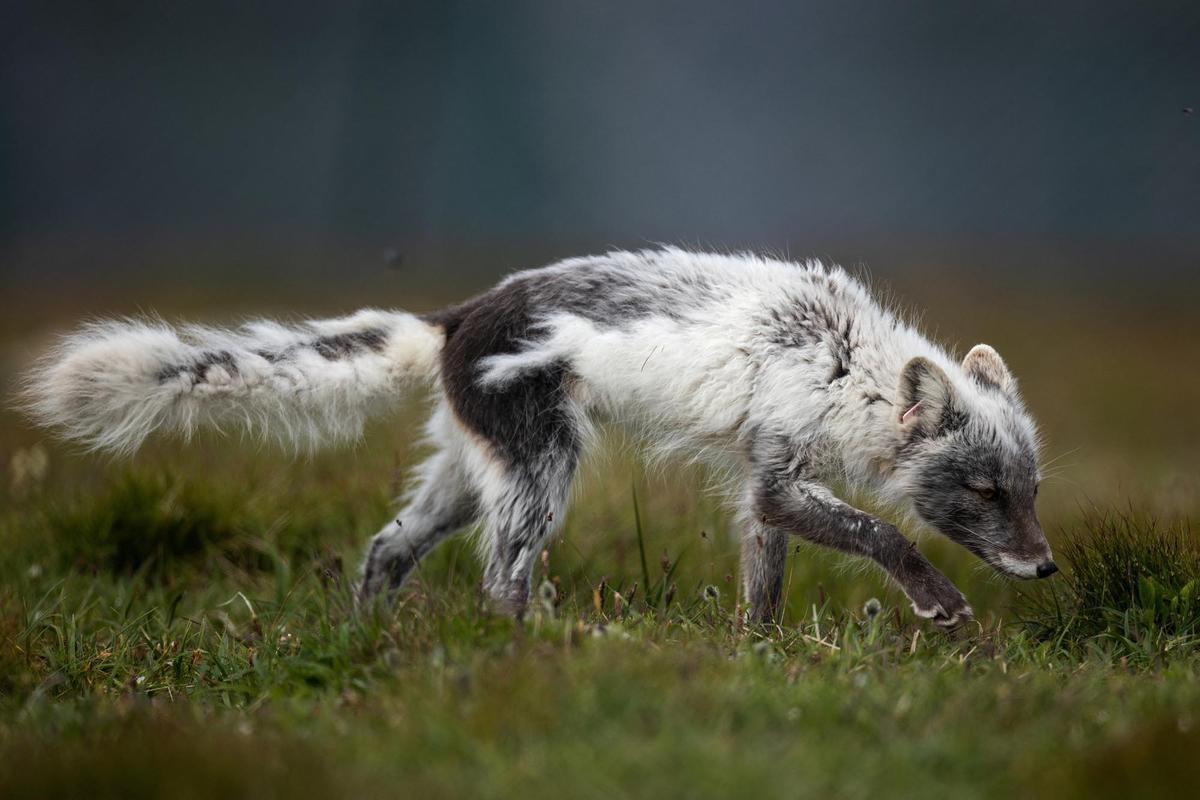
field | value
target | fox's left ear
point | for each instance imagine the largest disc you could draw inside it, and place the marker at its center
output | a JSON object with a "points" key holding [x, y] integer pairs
{"points": [[986, 366]]}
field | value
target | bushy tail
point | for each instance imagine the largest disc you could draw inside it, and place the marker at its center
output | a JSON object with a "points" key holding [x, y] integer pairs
{"points": [[111, 384]]}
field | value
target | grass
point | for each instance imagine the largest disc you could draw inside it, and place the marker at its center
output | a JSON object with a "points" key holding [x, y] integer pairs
{"points": [[1133, 586], [180, 625], [174, 633]]}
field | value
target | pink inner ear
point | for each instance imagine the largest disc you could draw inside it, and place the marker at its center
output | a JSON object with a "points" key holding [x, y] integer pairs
{"points": [[912, 412]]}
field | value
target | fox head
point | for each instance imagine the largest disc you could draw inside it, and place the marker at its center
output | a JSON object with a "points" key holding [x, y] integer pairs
{"points": [[968, 457]]}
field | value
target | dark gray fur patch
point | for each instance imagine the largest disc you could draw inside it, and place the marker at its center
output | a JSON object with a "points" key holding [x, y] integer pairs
{"points": [[809, 322], [524, 420], [342, 345], [199, 369], [841, 366], [799, 320], [528, 424], [613, 296], [764, 559], [953, 419], [331, 348], [781, 328], [781, 501], [610, 294], [270, 356]]}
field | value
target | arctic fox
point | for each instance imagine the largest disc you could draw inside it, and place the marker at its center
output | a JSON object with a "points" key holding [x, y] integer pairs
{"points": [[789, 376]]}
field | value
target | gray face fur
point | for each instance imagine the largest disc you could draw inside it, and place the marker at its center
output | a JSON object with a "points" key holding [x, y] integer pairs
{"points": [[970, 460]]}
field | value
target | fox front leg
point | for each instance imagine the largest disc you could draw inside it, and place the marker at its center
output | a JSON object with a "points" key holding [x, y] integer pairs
{"points": [[810, 511], [764, 557]]}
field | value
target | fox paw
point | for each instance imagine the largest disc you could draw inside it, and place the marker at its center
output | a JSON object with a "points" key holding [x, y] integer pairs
{"points": [[944, 617], [936, 599]]}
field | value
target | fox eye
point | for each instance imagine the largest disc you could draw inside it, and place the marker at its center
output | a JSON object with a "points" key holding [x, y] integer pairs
{"points": [[985, 492]]}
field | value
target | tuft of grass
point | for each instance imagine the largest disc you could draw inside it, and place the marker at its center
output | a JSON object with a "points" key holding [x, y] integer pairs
{"points": [[153, 523], [1129, 581]]}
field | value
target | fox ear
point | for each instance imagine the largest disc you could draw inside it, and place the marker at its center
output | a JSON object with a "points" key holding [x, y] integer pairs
{"points": [[988, 369], [926, 399]]}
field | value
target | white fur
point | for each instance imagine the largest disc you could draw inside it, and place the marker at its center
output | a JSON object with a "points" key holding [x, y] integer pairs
{"points": [[695, 384], [1016, 567], [103, 385]]}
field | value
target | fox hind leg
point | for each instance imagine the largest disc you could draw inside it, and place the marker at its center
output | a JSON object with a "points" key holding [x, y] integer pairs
{"points": [[526, 429], [444, 501], [523, 509]]}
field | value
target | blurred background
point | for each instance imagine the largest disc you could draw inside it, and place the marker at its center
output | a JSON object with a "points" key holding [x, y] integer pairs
{"points": [[1024, 173]]}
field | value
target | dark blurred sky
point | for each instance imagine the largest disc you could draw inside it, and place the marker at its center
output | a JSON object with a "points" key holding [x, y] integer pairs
{"points": [[724, 123]]}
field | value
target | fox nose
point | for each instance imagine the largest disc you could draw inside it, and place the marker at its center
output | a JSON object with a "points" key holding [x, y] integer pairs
{"points": [[1046, 569]]}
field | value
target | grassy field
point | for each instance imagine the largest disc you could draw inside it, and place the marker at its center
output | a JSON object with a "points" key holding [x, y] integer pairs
{"points": [[179, 624]]}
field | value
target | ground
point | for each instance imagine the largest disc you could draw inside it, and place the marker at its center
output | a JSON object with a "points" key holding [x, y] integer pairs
{"points": [[180, 624]]}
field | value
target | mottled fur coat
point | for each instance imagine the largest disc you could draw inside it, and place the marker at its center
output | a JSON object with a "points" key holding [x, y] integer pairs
{"points": [[790, 377]]}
